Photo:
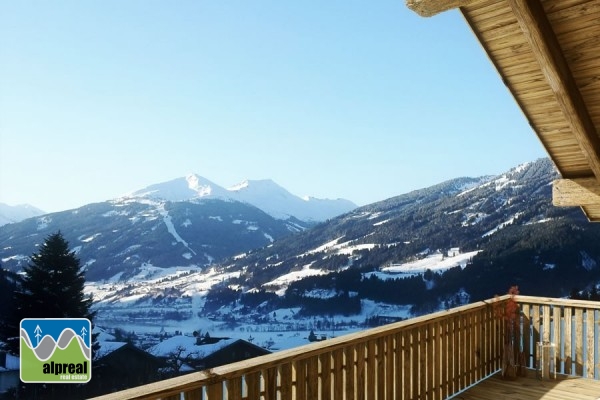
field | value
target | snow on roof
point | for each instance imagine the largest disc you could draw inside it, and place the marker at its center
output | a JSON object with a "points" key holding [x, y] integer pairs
{"points": [[103, 336], [108, 347], [188, 343]]}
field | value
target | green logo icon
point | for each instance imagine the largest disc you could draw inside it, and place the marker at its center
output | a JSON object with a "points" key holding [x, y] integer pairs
{"points": [[56, 350]]}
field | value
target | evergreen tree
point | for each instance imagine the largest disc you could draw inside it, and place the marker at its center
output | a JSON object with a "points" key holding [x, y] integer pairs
{"points": [[8, 287], [53, 285]]}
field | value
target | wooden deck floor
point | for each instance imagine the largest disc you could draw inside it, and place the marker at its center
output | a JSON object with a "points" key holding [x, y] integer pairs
{"points": [[531, 388]]}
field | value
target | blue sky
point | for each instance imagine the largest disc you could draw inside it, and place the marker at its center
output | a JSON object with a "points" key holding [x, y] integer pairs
{"points": [[353, 99]]}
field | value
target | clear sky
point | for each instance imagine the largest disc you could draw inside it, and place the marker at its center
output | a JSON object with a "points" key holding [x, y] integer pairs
{"points": [[353, 99]]}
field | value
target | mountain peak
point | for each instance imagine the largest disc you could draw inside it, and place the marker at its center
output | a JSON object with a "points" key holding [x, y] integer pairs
{"points": [[191, 187], [10, 214], [264, 194]]}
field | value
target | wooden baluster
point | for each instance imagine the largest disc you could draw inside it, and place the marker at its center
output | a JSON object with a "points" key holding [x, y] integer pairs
{"points": [[464, 350], [407, 375], [326, 382], [446, 357], [194, 394], [455, 351], [422, 366], [590, 351], [253, 384], [437, 362], [360, 371], [546, 318], [429, 347], [414, 358], [389, 366], [234, 388], [536, 332], [338, 374], [568, 338], [300, 368], [579, 342], [557, 336], [526, 335], [312, 378], [287, 381], [418, 361], [270, 379], [215, 391], [371, 370], [351, 367]]}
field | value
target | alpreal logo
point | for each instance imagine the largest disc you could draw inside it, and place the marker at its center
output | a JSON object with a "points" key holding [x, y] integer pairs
{"points": [[56, 350]]}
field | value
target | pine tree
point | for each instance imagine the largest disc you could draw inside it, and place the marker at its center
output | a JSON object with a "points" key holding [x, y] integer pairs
{"points": [[53, 285], [8, 287]]}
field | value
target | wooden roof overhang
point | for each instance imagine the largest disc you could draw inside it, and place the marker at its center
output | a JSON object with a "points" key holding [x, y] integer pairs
{"points": [[548, 55]]}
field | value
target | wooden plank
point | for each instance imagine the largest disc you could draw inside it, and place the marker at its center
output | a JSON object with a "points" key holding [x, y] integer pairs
{"points": [[234, 388], [531, 388], [300, 369], [546, 323], [579, 342], [270, 379], [457, 357], [527, 334], [389, 367], [360, 371], [399, 366], [536, 332], [338, 375], [196, 394], [215, 391], [177, 396], [480, 345], [473, 354], [590, 350], [428, 8], [372, 362], [544, 44], [429, 348], [287, 381], [575, 192], [422, 366], [444, 362], [466, 356], [407, 365], [568, 339], [326, 381], [312, 377], [439, 367], [350, 356], [557, 336], [414, 356]]}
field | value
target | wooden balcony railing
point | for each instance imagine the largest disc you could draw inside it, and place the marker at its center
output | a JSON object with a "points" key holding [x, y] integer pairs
{"points": [[430, 357], [571, 325]]}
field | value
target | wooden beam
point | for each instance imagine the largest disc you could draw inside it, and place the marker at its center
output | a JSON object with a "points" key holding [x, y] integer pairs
{"points": [[429, 8], [575, 192], [536, 28]]}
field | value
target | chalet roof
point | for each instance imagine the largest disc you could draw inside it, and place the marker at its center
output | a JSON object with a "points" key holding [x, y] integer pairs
{"points": [[548, 55]]}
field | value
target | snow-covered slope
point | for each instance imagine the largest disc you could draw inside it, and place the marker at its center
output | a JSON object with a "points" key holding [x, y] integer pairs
{"points": [[279, 203], [183, 189], [264, 194], [10, 214]]}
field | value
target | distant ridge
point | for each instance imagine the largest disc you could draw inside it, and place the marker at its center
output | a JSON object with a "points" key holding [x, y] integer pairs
{"points": [[12, 214], [264, 194]]}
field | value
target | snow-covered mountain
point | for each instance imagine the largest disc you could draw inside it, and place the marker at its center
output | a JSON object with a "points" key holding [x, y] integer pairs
{"points": [[228, 262], [464, 239], [11, 214], [264, 194]]}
